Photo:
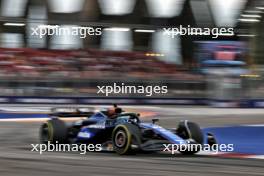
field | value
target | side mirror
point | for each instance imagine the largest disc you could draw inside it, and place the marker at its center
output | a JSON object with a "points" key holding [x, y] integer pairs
{"points": [[155, 120]]}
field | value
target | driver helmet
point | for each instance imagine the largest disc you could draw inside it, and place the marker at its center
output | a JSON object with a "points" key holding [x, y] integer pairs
{"points": [[114, 111]]}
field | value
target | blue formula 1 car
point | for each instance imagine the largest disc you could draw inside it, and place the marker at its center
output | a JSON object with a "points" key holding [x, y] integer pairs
{"points": [[120, 131]]}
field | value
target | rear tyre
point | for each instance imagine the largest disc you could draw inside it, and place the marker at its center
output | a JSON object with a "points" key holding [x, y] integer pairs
{"points": [[54, 131], [124, 137], [191, 132]]}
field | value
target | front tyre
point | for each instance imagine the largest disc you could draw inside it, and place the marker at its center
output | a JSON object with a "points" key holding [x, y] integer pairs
{"points": [[124, 136], [192, 133]]}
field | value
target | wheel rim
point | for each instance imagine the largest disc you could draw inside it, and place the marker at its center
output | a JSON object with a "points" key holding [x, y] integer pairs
{"points": [[120, 139]]}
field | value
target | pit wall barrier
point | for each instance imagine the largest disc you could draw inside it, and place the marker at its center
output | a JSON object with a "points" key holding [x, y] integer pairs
{"points": [[252, 103]]}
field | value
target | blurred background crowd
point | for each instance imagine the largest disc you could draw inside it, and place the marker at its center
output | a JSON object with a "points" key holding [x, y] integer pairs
{"points": [[132, 48]]}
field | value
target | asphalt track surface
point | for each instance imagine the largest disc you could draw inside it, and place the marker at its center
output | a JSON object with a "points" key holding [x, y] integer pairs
{"points": [[16, 159]]}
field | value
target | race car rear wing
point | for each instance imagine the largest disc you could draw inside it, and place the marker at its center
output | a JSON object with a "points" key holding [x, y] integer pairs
{"points": [[71, 112]]}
